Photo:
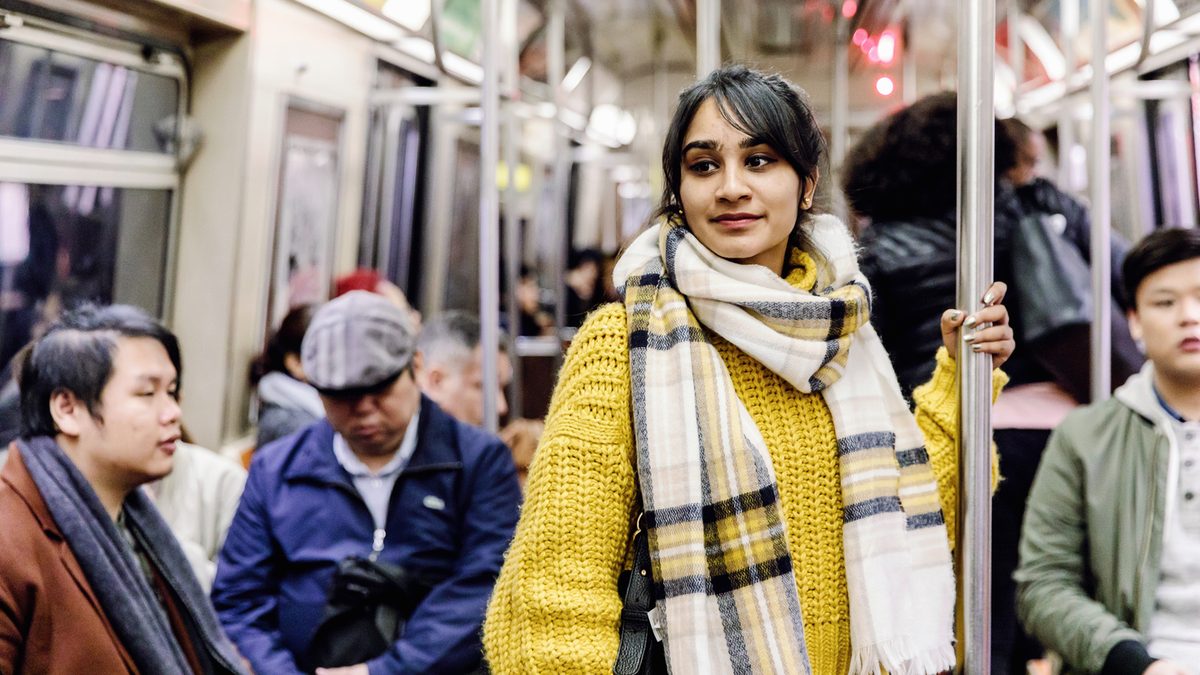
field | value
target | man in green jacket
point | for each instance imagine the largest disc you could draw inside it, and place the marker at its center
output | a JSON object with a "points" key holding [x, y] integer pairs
{"points": [[1110, 551]]}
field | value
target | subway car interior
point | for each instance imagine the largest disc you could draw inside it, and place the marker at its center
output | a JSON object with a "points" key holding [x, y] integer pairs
{"points": [[218, 163]]}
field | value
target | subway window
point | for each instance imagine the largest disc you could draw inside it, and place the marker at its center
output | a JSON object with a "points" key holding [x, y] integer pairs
{"points": [[56, 96], [89, 177]]}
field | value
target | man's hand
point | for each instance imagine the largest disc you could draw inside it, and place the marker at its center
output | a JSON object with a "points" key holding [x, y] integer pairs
{"points": [[1165, 667], [360, 669], [987, 329]]}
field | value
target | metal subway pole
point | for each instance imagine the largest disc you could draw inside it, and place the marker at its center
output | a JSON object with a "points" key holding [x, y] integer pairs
{"points": [[1098, 187], [556, 67], [840, 110], [1069, 19], [1016, 46], [512, 219], [708, 37], [976, 131], [489, 214], [908, 65]]}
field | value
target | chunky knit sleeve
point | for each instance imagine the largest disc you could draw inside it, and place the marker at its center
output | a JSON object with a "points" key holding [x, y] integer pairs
{"points": [[555, 608], [937, 415]]}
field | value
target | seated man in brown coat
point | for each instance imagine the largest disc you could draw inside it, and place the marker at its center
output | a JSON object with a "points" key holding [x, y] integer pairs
{"points": [[91, 578]]}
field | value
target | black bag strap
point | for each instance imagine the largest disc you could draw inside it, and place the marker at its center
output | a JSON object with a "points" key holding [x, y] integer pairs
{"points": [[637, 637]]}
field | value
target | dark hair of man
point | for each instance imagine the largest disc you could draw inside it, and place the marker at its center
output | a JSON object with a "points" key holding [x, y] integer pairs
{"points": [[906, 165], [286, 340], [452, 335], [76, 354], [767, 108], [1157, 250]]}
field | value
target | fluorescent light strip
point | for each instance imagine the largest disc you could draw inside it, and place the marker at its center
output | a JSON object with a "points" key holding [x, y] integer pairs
{"points": [[357, 18]]}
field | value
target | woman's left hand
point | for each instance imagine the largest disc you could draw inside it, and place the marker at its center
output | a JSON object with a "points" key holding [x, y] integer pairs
{"points": [[987, 329]]}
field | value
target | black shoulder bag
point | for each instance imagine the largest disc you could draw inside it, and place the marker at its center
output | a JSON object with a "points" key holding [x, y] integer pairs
{"points": [[640, 652]]}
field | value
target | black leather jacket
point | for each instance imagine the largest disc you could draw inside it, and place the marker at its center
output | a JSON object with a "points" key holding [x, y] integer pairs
{"points": [[911, 267]]}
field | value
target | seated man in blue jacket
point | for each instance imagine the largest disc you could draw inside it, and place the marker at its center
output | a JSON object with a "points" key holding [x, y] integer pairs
{"points": [[387, 477]]}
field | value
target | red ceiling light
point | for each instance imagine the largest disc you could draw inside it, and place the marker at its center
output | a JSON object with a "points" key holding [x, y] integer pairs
{"points": [[885, 86], [859, 37], [849, 8]]}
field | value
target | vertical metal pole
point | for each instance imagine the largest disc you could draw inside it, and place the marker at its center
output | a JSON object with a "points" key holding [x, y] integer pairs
{"points": [[708, 37], [1016, 47], [512, 218], [1069, 19], [976, 131], [489, 214], [1098, 184], [908, 60], [556, 66], [840, 110]]}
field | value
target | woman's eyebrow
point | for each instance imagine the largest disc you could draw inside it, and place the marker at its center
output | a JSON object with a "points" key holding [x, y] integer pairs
{"points": [[751, 141], [701, 145]]}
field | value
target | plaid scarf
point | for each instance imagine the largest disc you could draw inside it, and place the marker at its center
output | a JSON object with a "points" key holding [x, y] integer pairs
{"points": [[717, 534]]}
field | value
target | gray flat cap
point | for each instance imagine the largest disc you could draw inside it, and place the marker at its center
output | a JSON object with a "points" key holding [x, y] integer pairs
{"points": [[356, 341]]}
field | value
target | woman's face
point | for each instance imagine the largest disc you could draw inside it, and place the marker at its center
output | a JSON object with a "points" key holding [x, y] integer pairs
{"points": [[740, 197]]}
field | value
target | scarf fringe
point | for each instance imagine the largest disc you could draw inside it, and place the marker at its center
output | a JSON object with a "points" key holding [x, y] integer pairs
{"points": [[898, 658]]}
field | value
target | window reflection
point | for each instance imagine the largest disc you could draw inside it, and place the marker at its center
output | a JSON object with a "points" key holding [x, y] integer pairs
{"points": [[55, 253], [53, 96]]}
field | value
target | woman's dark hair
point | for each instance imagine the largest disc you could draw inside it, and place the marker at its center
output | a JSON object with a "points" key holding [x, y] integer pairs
{"points": [[285, 341], [764, 107], [907, 164], [75, 354], [1157, 250]]}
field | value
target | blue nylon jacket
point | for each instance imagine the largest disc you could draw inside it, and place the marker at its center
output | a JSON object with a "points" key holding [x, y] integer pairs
{"points": [[300, 515]]}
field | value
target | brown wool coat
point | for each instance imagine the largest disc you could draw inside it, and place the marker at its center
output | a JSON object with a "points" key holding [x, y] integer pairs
{"points": [[50, 620]]}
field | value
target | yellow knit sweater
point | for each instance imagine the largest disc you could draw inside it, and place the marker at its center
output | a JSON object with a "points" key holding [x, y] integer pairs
{"points": [[555, 608]]}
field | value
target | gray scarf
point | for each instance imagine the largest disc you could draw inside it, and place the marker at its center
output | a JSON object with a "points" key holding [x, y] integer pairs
{"points": [[128, 601]]}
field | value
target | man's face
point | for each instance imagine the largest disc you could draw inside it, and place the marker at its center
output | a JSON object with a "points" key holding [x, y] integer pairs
{"points": [[374, 424], [134, 440], [1167, 320], [459, 391]]}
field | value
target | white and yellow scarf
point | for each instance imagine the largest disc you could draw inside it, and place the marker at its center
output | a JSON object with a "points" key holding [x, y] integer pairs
{"points": [[718, 540]]}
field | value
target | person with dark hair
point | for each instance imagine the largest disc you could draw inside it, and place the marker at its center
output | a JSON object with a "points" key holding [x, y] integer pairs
{"points": [[286, 402], [91, 578], [901, 177], [1110, 549], [449, 366], [585, 291], [368, 542], [734, 427]]}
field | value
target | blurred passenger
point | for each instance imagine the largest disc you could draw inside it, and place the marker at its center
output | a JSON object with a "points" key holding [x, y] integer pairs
{"points": [[449, 367], [735, 428], [286, 402], [197, 500], [534, 320], [1039, 197], [370, 540], [585, 291], [902, 177], [91, 578], [1110, 552], [369, 280]]}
